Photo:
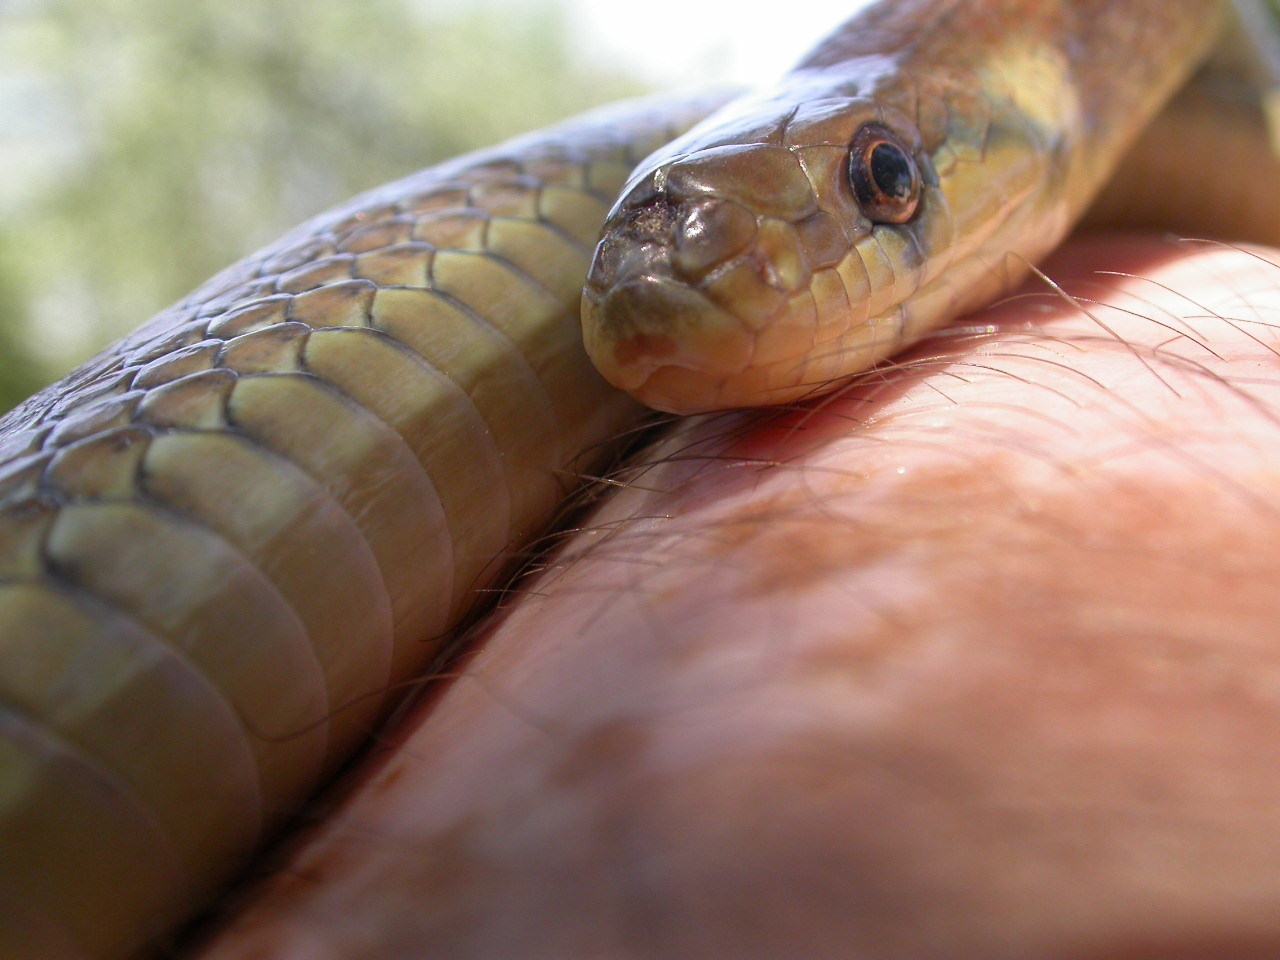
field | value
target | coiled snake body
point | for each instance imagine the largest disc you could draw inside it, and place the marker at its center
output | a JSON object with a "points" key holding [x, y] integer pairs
{"points": [[226, 539]]}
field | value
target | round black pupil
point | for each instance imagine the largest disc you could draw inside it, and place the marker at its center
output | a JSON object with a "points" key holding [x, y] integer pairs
{"points": [[891, 171]]}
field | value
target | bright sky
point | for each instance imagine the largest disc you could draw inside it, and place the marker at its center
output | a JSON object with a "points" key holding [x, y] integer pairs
{"points": [[688, 43]]}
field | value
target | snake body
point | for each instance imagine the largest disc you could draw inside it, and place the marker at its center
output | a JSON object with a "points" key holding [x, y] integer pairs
{"points": [[224, 540]]}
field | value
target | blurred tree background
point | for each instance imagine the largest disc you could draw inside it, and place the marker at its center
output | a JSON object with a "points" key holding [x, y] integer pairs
{"points": [[146, 144]]}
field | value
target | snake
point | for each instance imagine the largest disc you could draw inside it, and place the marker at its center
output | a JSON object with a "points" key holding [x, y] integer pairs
{"points": [[227, 540]]}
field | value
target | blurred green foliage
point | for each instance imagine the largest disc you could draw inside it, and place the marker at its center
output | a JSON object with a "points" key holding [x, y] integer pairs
{"points": [[158, 141]]}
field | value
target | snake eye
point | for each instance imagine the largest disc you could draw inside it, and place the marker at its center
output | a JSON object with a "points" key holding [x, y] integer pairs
{"points": [[884, 175]]}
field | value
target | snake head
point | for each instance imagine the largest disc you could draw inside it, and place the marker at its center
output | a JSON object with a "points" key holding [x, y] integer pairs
{"points": [[736, 263], [806, 235]]}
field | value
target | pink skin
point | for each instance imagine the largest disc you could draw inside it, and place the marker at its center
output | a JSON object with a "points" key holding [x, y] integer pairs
{"points": [[978, 659]]}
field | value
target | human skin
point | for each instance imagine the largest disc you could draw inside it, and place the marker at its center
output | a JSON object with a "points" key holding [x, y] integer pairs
{"points": [[977, 658]]}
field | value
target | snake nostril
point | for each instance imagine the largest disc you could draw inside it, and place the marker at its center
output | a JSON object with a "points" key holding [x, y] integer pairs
{"points": [[651, 222], [637, 243]]}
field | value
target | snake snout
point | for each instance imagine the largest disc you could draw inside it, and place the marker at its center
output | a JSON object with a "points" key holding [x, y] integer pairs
{"points": [[639, 243], [685, 241], [643, 313], [704, 272]]}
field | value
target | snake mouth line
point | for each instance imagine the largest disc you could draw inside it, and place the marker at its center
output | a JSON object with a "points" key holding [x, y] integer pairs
{"points": [[650, 322]]}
